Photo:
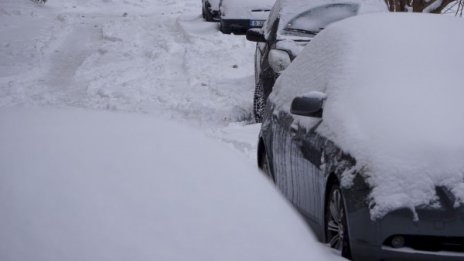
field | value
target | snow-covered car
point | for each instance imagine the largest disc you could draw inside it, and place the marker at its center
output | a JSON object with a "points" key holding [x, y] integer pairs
{"points": [[210, 10], [363, 133], [290, 26], [237, 16]]}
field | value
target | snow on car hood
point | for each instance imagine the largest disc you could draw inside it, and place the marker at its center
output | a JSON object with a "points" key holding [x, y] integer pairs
{"points": [[394, 102], [244, 9]]}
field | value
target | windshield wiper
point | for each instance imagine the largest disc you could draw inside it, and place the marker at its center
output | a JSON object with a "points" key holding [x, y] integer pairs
{"points": [[312, 32]]}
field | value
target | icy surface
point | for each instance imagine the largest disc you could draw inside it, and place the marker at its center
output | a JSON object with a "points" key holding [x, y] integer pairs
{"points": [[397, 110]]}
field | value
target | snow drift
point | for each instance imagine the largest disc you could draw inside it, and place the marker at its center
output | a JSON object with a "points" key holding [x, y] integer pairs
{"points": [[96, 186]]}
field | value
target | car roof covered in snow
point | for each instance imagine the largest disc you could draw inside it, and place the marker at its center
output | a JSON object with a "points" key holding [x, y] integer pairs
{"points": [[394, 102]]}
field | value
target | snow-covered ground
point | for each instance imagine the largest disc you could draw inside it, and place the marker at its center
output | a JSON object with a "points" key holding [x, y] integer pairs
{"points": [[156, 57], [92, 166]]}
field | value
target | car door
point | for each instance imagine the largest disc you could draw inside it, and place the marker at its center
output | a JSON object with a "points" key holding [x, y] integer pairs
{"points": [[297, 152], [283, 150], [307, 170]]}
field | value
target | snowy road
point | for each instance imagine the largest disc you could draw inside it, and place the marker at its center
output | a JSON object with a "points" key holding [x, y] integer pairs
{"points": [[155, 57]]}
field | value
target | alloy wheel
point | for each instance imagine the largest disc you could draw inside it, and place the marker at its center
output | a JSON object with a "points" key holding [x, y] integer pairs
{"points": [[336, 225]]}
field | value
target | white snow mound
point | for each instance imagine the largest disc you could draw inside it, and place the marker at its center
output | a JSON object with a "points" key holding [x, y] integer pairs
{"points": [[100, 186]]}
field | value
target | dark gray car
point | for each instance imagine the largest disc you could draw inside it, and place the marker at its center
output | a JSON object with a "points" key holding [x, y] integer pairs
{"points": [[336, 108], [290, 26]]}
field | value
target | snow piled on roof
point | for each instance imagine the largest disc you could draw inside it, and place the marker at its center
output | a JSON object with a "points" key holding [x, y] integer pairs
{"points": [[394, 102], [100, 186]]}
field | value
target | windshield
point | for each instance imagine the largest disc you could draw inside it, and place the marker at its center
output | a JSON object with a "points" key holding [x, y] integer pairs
{"points": [[314, 20]]}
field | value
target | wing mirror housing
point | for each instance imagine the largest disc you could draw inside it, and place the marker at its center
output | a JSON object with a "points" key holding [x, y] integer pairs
{"points": [[310, 104], [279, 60], [255, 35]]}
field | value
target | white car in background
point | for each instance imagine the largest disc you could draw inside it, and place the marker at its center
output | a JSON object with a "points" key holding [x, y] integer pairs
{"points": [[237, 16]]}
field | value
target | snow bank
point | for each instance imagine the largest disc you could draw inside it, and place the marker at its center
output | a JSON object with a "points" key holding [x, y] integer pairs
{"points": [[394, 102], [86, 185]]}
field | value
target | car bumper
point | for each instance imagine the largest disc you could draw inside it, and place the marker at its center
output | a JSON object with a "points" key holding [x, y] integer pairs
{"points": [[437, 235], [240, 25]]}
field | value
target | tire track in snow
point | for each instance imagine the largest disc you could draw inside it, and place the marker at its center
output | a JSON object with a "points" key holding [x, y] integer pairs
{"points": [[66, 60]]}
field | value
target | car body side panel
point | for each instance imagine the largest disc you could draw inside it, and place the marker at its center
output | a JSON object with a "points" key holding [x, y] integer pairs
{"points": [[283, 151], [307, 173]]}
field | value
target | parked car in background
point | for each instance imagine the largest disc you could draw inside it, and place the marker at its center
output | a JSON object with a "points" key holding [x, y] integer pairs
{"points": [[237, 16], [210, 10], [363, 135], [290, 26]]}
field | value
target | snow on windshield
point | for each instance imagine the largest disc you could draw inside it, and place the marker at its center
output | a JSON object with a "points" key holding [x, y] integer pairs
{"points": [[289, 9], [394, 102], [315, 19]]}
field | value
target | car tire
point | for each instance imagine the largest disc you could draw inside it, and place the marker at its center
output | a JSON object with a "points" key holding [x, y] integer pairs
{"points": [[266, 166], [258, 102], [336, 228]]}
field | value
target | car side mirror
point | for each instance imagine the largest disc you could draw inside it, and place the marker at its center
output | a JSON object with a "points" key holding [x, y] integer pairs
{"points": [[255, 35], [310, 104], [279, 60]]}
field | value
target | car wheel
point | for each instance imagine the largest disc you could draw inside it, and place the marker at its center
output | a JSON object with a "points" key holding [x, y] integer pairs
{"points": [[335, 221], [266, 166], [258, 102]]}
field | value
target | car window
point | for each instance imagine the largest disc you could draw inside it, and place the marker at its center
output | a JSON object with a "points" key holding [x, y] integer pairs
{"points": [[316, 19]]}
